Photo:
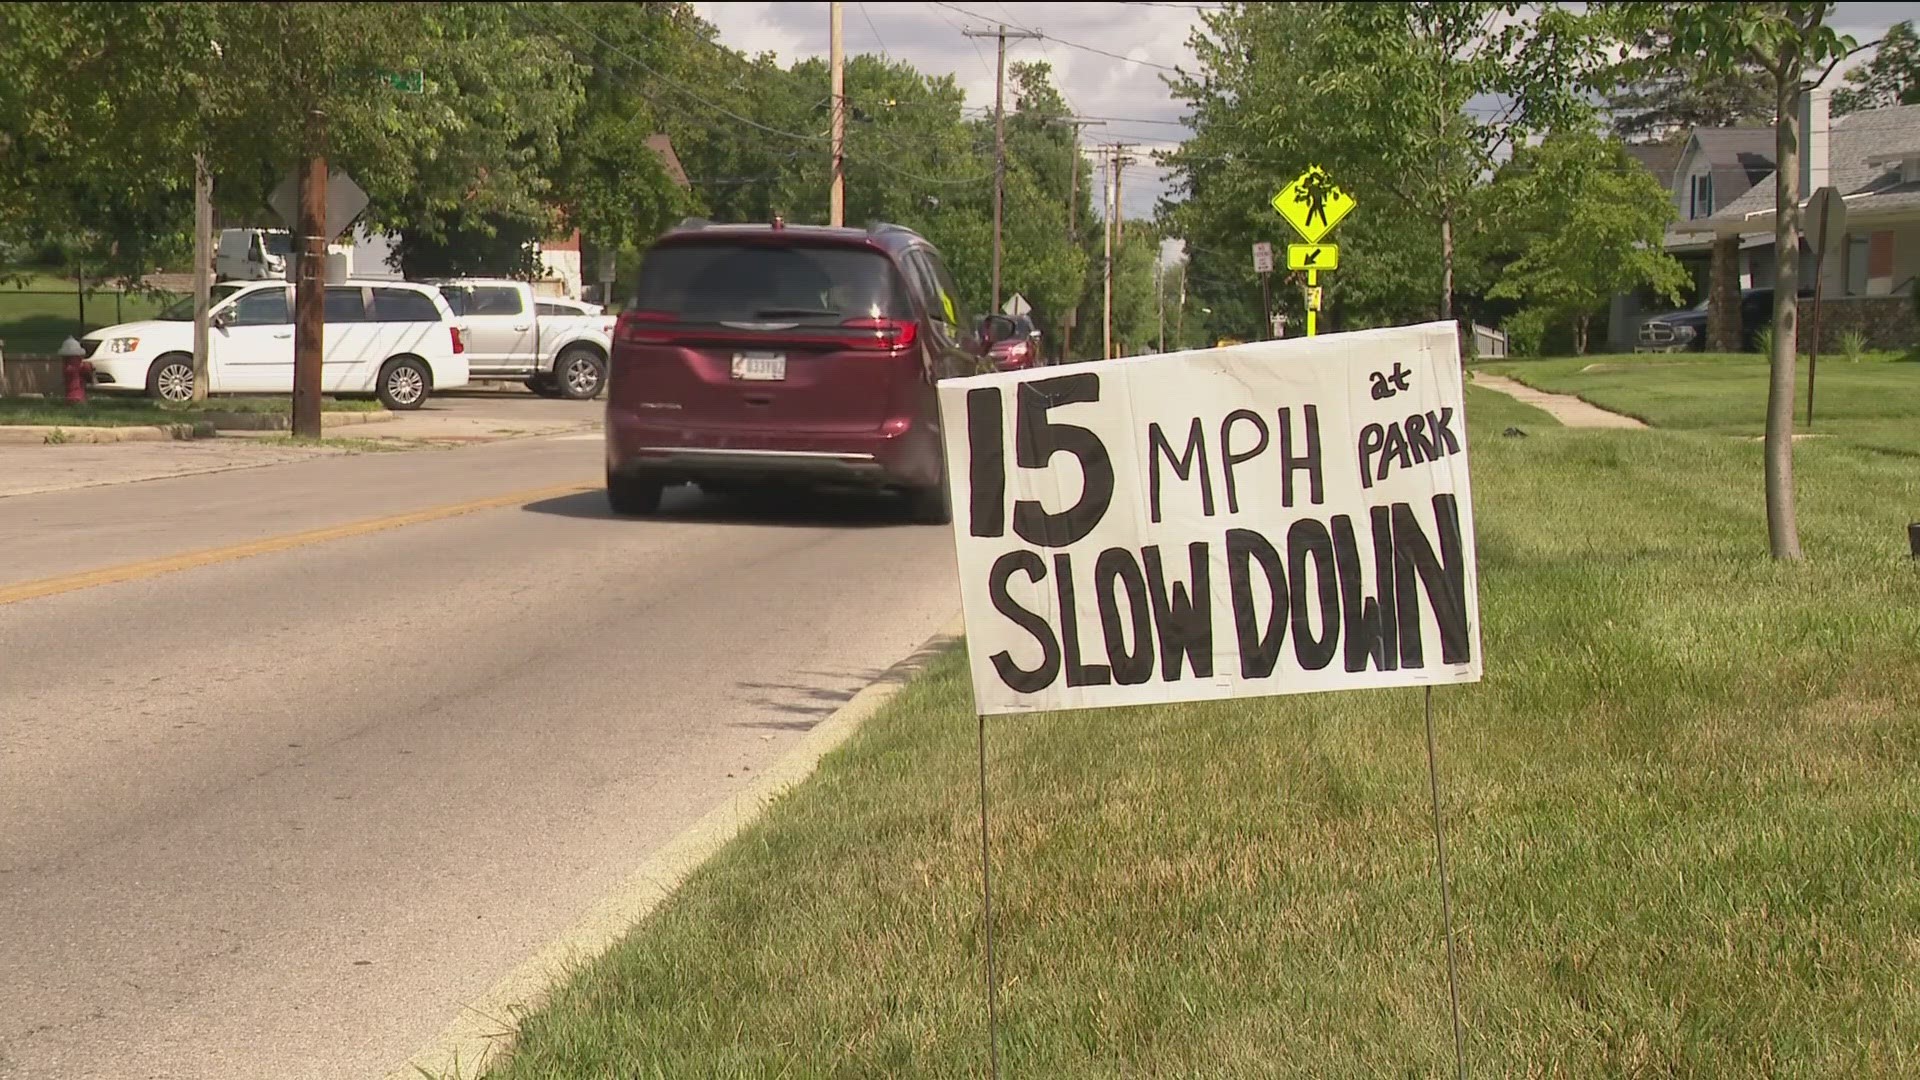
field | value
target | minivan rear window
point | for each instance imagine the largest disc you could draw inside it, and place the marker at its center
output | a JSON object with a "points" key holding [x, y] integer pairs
{"points": [[403, 305], [819, 285]]}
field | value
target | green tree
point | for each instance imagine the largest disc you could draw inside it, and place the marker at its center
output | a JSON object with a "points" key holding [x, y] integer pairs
{"points": [[1892, 77], [1667, 103], [1585, 225], [1412, 81], [1796, 47]]}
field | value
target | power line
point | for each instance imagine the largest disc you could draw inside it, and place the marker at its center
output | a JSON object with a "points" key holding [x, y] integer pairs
{"points": [[865, 14], [649, 69], [723, 110], [1063, 41]]}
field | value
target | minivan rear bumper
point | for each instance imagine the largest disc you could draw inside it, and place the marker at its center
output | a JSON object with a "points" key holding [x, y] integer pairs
{"points": [[902, 453]]}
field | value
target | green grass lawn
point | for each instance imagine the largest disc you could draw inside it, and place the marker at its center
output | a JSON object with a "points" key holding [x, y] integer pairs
{"points": [[104, 411], [1684, 818], [38, 314], [1874, 404]]}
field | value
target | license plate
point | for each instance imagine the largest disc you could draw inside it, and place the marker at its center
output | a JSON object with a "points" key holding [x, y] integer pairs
{"points": [[760, 367]]}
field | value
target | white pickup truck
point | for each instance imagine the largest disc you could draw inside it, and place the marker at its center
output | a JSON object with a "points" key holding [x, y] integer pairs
{"points": [[557, 347]]}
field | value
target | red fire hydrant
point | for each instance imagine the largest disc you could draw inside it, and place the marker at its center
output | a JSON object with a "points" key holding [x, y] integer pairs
{"points": [[77, 370]]}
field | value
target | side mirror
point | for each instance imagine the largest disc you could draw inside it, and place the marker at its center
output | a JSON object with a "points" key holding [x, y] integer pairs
{"points": [[996, 328], [220, 320]]}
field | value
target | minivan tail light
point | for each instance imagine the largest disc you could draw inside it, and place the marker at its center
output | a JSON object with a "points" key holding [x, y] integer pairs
{"points": [[459, 346], [642, 326], [889, 334]]}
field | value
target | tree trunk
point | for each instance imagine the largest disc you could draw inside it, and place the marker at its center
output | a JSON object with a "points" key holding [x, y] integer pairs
{"points": [[1580, 335], [1446, 264], [1723, 297], [1783, 530]]}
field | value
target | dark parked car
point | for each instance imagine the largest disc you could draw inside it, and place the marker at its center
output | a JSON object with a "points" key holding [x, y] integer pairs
{"points": [[1686, 331], [1016, 342], [776, 355]]}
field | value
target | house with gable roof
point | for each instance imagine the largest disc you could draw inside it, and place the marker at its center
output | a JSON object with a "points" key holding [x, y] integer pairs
{"points": [[1872, 158]]}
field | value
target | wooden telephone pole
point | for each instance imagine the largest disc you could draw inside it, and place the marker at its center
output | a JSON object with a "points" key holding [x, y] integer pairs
{"points": [[837, 194], [999, 138], [1116, 159], [1073, 222]]}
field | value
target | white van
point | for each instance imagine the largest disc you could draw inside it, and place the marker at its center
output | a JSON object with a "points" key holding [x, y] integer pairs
{"points": [[393, 339], [252, 255]]}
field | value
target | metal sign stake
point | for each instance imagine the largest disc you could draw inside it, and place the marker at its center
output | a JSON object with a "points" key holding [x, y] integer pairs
{"points": [[986, 907], [1446, 898]]}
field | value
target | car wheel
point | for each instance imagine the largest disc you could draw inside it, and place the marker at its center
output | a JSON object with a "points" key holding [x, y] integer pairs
{"points": [[171, 378], [580, 372], [930, 506], [633, 496], [404, 384]]}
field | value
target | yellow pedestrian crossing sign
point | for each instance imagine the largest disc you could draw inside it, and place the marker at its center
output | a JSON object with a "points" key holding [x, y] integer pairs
{"points": [[1313, 257], [1313, 204]]}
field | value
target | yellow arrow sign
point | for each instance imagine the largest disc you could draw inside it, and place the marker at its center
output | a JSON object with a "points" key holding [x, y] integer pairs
{"points": [[1313, 257], [1313, 204]]}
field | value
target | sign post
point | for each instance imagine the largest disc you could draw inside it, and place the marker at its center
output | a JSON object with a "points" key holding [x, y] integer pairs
{"points": [[1281, 517], [1313, 204], [1830, 224], [1263, 265]]}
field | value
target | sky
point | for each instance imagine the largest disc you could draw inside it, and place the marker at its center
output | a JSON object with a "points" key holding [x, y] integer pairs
{"points": [[1104, 55]]}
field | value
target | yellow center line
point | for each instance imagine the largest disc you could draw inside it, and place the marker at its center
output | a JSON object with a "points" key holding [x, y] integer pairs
{"points": [[136, 571]]}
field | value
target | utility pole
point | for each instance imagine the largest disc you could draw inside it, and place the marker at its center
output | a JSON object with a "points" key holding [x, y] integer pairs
{"points": [[1160, 300], [309, 331], [1106, 227], [202, 273], [999, 139], [1119, 219], [1073, 219], [1180, 320], [837, 196]]}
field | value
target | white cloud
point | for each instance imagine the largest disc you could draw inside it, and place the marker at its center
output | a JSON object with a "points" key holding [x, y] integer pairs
{"points": [[1124, 85]]}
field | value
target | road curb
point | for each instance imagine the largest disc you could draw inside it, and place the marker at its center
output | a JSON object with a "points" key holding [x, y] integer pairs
{"points": [[56, 434], [484, 1028]]}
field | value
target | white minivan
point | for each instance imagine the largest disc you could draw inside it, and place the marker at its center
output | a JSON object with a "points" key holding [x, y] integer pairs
{"points": [[392, 339]]}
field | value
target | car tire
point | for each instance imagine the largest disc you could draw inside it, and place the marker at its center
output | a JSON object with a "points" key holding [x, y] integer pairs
{"points": [[579, 373], [930, 506], [633, 496], [170, 379], [543, 386], [405, 384]]}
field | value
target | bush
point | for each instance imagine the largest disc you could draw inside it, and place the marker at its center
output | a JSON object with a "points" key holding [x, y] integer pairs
{"points": [[1853, 345], [1526, 330], [1763, 341]]}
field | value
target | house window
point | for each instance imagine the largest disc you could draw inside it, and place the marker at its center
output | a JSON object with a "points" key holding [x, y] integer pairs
{"points": [[1702, 197], [1856, 283]]}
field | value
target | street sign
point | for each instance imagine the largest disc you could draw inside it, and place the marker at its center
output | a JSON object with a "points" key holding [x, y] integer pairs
{"points": [[1313, 204], [1016, 306], [1313, 298], [1313, 257], [345, 201], [1827, 223], [1263, 258]]}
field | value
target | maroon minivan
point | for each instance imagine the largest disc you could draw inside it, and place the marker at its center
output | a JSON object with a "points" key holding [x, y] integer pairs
{"points": [[758, 356]]}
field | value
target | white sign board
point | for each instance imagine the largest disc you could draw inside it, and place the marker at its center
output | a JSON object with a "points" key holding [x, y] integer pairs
{"points": [[1263, 258], [1016, 306], [1277, 517]]}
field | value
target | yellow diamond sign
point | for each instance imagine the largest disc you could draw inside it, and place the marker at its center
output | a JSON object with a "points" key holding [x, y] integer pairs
{"points": [[1313, 204]]}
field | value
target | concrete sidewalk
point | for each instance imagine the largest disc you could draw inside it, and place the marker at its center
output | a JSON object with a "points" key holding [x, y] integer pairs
{"points": [[35, 466], [1569, 410]]}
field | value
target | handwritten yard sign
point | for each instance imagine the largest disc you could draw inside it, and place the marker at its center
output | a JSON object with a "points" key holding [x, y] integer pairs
{"points": [[1271, 518]]}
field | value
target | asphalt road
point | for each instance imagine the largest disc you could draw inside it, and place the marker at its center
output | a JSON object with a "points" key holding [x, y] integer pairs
{"points": [[279, 816]]}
